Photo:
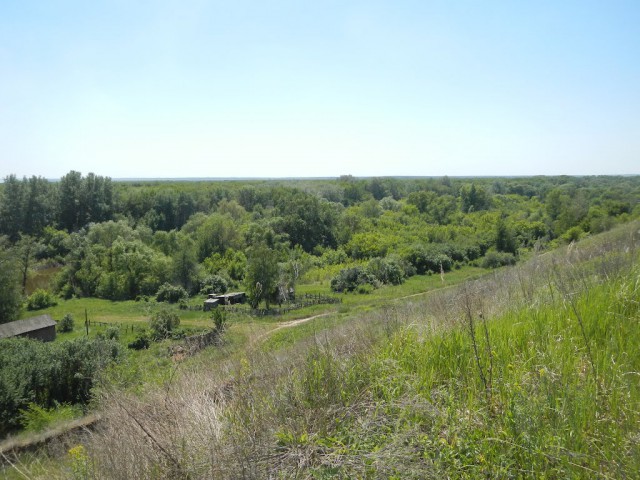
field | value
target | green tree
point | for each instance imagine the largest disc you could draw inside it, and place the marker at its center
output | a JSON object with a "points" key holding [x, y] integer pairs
{"points": [[27, 249], [10, 297], [11, 204], [261, 278], [505, 241], [215, 234], [474, 198], [39, 205], [185, 265], [70, 201], [83, 200], [163, 323], [66, 324]]}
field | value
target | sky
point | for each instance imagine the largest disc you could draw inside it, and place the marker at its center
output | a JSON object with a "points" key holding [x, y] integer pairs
{"points": [[283, 88]]}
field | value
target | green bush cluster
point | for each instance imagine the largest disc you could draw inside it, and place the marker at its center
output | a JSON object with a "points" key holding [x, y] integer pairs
{"points": [[163, 324], [495, 259], [40, 299], [429, 258], [171, 293], [213, 284], [66, 324], [141, 342], [33, 372], [349, 279]]}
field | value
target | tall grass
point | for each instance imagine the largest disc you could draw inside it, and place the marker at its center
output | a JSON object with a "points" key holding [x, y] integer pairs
{"points": [[547, 386]]}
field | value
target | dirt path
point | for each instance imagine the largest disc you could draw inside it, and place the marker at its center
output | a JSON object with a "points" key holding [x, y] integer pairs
{"points": [[289, 324]]}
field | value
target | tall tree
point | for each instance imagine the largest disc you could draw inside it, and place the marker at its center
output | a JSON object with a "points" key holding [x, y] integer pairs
{"points": [[26, 249], [261, 278], [11, 208], [39, 205], [71, 207], [185, 263], [10, 298]]}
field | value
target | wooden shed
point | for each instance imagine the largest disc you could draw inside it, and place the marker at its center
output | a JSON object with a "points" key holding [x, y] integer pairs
{"points": [[231, 298], [215, 299], [210, 303], [42, 327]]}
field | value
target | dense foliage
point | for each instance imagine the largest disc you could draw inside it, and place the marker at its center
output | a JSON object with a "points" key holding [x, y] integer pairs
{"points": [[40, 299], [10, 297], [32, 372], [127, 240]]}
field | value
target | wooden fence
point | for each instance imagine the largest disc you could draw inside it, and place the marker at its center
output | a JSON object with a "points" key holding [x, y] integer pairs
{"points": [[121, 326], [301, 301]]}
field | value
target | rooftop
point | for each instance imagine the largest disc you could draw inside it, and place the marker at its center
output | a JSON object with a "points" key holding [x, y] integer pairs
{"points": [[20, 327]]}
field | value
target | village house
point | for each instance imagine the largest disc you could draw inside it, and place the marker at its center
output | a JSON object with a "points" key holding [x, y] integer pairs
{"points": [[42, 327]]}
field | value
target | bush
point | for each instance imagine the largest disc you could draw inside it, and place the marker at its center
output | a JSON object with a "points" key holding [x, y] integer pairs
{"points": [[112, 333], [44, 373], [364, 289], [497, 259], [163, 323], [40, 299], [350, 278], [219, 317], [572, 235], [387, 270], [213, 284], [171, 293], [66, 324], [35, 418], [141, 342], [428, 258]]}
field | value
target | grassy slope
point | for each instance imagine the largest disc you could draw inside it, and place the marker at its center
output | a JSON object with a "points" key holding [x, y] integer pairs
{"points": [[558, 396], [396, 392]]}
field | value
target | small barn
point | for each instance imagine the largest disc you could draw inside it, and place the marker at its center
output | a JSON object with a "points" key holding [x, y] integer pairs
{"points": [[215, 299], [231, 298], [210, 303], [42, 327]]}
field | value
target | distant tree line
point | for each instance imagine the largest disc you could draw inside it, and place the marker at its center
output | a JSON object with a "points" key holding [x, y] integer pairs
{"points": [[126, 240]]}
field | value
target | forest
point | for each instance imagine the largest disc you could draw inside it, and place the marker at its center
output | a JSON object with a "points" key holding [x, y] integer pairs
{"points": [[124, 240], [156, 249]]}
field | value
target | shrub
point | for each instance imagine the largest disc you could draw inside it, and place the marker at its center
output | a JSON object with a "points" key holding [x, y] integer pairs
{"points": [[35, 418], [497, 259], [112, 333], [213, 284], [171, 293], [141, 342], [387, 270], [66, 324], [364, 289], [48, 372], [350, 278], [219, 318], [428, 258], [163, 323], [572, 235], [40, 299]]}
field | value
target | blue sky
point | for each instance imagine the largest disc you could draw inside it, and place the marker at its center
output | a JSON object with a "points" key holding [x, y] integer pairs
{"points": [[289, 88]]}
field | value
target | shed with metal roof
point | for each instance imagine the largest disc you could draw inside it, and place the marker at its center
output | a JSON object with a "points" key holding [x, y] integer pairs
{"points": [[42, 327]]}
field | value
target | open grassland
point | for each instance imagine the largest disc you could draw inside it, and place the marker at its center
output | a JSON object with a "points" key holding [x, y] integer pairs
{"points": [[532, 371]]}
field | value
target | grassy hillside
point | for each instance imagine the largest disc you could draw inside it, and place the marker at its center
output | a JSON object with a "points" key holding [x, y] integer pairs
{"points": [[530, 372]]}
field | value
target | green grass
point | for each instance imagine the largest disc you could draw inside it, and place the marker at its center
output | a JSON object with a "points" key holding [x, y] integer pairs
{"points": [[547, 412], [558, 396], [392, 387]]}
